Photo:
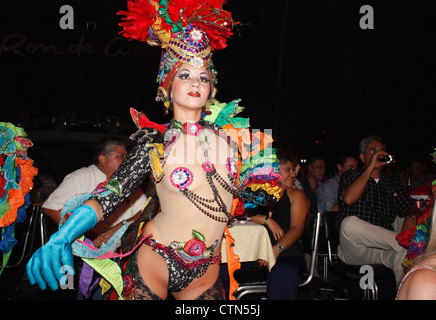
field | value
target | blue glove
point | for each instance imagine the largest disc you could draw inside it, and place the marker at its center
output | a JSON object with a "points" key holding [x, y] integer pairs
{"points": [[44, 267]]}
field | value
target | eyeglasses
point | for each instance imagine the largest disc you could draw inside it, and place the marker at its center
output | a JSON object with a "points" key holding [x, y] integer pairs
{"points": [[121, 155], [374, 150]]}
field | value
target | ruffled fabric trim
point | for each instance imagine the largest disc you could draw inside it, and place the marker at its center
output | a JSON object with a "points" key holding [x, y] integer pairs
{"points": [[258, 165], [15, 196], [13, 140], [415, 239], [16, 180], [233, 263]]}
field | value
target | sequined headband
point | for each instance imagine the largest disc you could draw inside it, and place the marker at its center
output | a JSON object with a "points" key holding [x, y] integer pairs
{"points": [[191, 46]]}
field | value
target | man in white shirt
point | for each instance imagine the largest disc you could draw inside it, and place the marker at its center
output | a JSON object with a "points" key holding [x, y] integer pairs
{"points": [[108, 156]]}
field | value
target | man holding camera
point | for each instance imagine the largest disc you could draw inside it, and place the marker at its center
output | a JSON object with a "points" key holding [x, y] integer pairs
{"points": [[373, 208]]}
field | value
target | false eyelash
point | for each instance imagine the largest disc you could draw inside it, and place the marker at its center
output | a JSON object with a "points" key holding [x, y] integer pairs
{"points": [[183, 75], [204, 79]]}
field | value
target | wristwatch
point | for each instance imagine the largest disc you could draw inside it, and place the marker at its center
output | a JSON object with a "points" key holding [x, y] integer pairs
{"points": [[279, 247]]}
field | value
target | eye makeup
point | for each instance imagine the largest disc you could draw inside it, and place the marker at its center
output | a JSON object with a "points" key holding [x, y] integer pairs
{"points": [[185, 74]]}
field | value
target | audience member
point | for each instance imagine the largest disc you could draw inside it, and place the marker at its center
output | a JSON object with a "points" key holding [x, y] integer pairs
{"points": [[108, 156], [415, 177], [370, 205], [327, 193], [285, 227], [420, 281], [44, 183], [312, 179]]}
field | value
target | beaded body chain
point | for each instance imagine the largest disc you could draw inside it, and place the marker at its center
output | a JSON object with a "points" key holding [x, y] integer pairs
{"points": [[182, 178]]}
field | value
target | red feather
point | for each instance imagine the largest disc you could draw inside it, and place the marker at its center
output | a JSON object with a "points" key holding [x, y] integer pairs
{"points": [[209, 15], [142, 121], [138, 19]]}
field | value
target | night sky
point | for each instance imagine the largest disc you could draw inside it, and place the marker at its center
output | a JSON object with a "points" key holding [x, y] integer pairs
{"points": [[304, 69]]}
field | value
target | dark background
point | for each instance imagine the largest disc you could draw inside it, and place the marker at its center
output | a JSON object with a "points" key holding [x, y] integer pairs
{"points": [[304, 69]]}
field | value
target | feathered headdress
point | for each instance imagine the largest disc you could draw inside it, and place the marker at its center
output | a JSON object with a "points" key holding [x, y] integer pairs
{"points": [[187, 30]]}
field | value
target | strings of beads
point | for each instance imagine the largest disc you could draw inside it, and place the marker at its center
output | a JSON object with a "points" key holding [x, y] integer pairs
{"points": [[182, 177]]}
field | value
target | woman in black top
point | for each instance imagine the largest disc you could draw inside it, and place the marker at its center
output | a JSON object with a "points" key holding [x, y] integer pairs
{"points": [[285, 226]]}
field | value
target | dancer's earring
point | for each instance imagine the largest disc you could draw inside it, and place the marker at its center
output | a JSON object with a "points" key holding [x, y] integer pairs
{"points": [[162, 95]]}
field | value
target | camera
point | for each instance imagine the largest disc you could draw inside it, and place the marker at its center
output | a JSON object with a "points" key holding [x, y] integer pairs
{"points": [[385, 158]]}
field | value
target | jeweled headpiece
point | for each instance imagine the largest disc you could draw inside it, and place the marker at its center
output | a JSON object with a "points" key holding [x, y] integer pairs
{"points": [[187, 30]]}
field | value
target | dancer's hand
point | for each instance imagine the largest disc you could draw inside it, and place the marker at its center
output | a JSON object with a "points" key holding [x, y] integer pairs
{"points": [[45, 266]]}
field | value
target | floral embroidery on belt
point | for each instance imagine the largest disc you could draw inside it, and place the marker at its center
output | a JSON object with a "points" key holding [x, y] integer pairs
{"points": [[193, 249]]}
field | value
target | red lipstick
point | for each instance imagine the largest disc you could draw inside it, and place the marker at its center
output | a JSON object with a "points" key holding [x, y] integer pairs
{"points": [[194, 94]]}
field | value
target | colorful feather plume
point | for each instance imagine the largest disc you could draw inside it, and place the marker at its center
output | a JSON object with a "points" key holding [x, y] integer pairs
{"points": [[157, 21]]}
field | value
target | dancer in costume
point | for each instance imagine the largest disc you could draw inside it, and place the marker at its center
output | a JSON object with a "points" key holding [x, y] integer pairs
{"points": [[202, 168]]}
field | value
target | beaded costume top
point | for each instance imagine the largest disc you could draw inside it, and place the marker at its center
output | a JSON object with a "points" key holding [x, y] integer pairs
{"points": [[254, 166]]}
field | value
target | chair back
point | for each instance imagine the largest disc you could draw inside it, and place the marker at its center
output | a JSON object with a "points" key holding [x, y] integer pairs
{"points": [[257, 285], [312, 231], [331, 233], [24, 250]]}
